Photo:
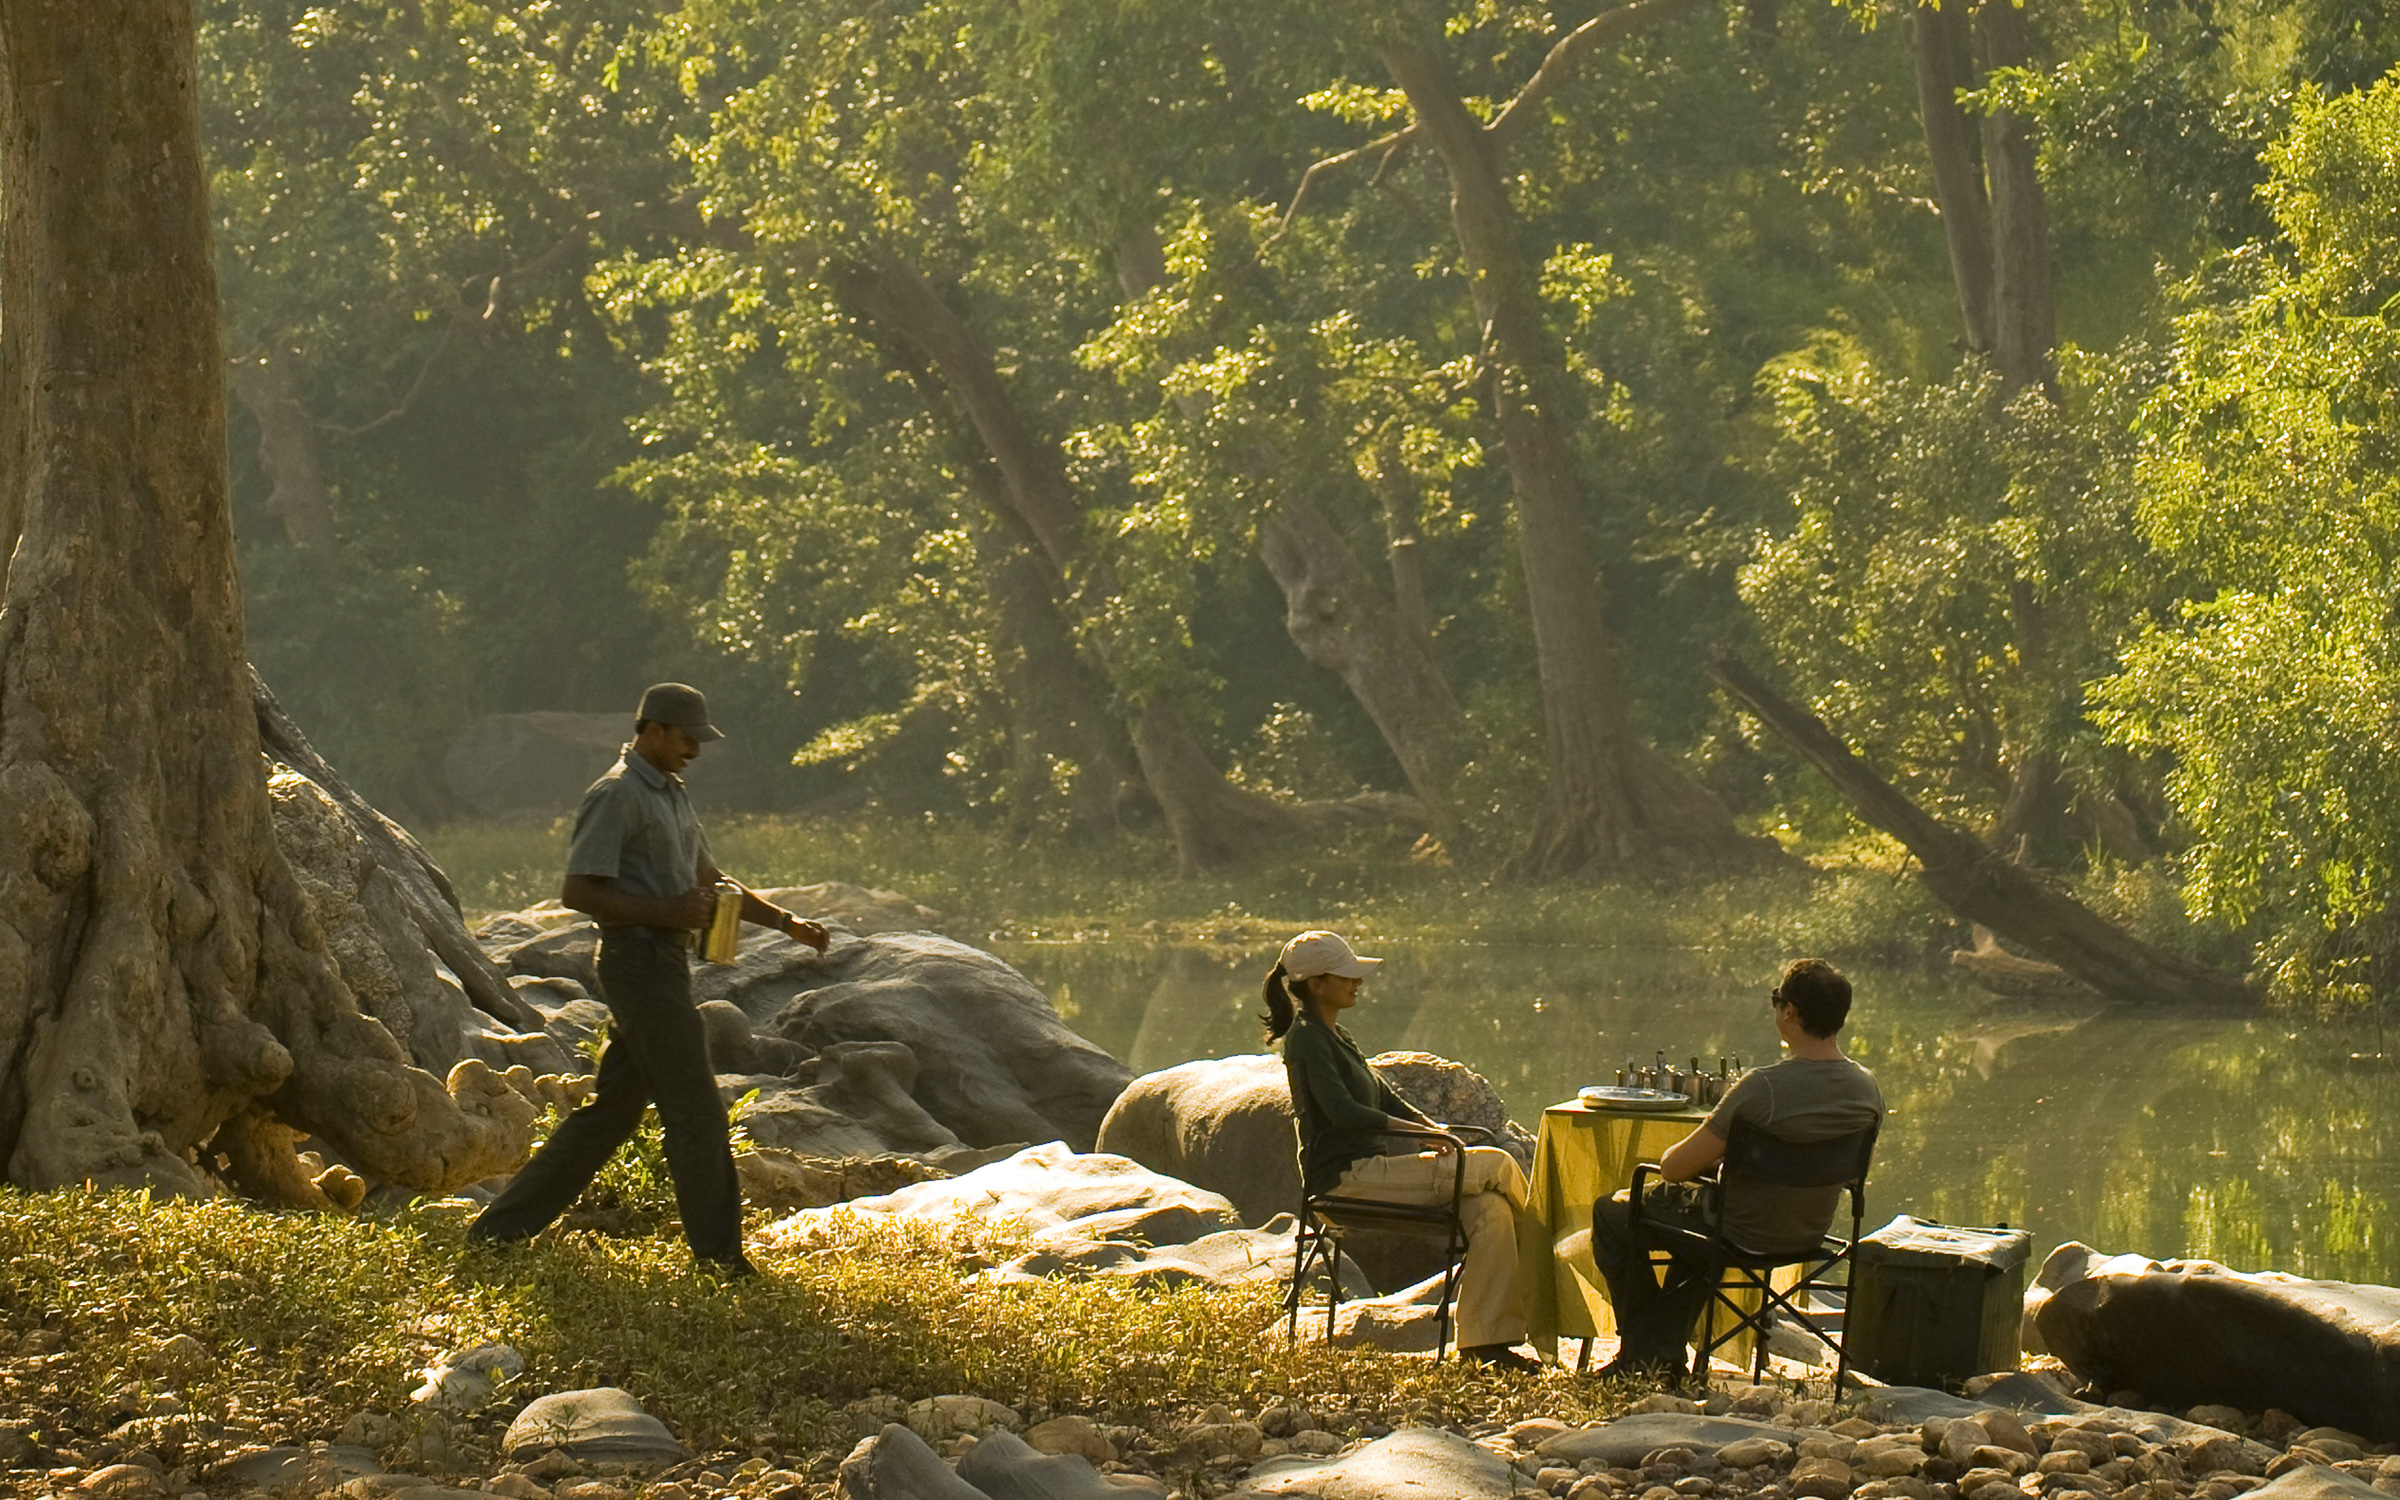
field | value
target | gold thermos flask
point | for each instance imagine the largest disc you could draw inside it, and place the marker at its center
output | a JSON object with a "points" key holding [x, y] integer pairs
{"points": [[723, 943]]}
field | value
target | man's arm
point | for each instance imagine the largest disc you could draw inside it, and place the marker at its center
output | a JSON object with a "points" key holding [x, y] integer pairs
{"points": [[598, 897], [766, 914], [1692, 1155]]}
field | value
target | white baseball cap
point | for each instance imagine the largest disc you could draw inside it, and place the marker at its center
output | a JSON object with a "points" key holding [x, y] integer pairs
{"points": [[1314, 953]]}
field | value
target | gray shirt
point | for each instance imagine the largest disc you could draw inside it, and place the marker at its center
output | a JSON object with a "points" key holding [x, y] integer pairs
{"points": [[1798, 1100], [637, 828]]}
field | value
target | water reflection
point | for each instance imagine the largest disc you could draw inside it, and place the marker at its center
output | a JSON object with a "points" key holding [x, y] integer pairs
{"points": [[2240, 1137]]}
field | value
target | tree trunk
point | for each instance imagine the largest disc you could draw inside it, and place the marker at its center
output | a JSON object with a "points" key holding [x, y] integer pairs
{"points": [[1057, 713], [1343, 623], [159, 970], [1614, 804], [1381, 648], [1945, 66], [1977, 882], [287, 450], [1210, 819], [2024, 312]]}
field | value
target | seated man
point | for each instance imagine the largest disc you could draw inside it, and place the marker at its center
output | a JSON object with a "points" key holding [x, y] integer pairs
{"points": [[1814, 1094]]}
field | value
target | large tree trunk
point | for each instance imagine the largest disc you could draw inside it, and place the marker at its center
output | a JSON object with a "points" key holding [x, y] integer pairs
{"points": [[160, 974], [1978, 882], [1342, 622], [1945, 62], [1614, 804], [1381, 647], [1994, 216], [287, 450], [1211, 820]]}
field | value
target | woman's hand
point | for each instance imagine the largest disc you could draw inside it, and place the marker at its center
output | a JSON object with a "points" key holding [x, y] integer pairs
{"points": [[1437, 1142]]}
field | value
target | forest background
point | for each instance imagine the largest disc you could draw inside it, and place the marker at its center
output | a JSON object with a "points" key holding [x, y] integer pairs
{"points": [[1194, 430]]}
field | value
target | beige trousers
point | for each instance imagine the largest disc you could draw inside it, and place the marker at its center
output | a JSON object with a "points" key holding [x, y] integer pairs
{"points": [[1491, 1306]]}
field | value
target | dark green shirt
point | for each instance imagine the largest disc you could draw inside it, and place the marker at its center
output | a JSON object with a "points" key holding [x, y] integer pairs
{"points": [[1339, 1104], [637, 828]]}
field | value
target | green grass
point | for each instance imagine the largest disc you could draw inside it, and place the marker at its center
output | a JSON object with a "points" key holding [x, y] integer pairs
{"points": [[313, 1318], [1848, 901]]}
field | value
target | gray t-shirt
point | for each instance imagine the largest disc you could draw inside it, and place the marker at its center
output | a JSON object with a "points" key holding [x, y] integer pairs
{"points": [[636, 827], [1797, 1100]]}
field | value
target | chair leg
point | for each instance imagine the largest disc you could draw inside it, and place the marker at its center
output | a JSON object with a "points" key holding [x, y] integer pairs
{"points": [[1583, 1361], [1333, 1286]]}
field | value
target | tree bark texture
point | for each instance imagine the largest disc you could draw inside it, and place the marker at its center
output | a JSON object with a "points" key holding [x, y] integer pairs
{"points": [[2024, 309], [1995, 218], [1615, 804], [1381, 646], [1211, 820], [1945, 60], [287, 450], [160, 972], [1977, 882], [1342, 622]]}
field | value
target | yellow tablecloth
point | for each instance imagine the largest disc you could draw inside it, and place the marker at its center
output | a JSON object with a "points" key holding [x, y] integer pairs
{"points": [[1581, 1156]]}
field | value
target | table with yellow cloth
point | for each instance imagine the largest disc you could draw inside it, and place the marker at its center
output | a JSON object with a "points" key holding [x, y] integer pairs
{"points": [[1581, 1156]]}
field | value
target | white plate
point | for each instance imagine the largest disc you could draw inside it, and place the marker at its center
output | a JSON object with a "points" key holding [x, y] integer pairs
{"points": [[1613, 1096]]}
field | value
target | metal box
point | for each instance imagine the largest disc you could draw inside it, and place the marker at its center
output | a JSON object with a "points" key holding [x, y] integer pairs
{"points": [[1933, 1304]]}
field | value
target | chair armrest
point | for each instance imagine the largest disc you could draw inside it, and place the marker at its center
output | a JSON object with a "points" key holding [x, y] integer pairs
{"points": [[1641, 1172]]}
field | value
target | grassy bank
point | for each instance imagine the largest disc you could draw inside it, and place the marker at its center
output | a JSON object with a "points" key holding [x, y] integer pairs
{"points": [[308, 1320], [1848, 900]]}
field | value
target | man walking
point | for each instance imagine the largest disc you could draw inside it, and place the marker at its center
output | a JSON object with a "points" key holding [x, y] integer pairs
{"points": [[639, 866]]}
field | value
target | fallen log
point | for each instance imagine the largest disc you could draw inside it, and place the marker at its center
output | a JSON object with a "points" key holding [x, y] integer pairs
{"points": [[1973, 879]]}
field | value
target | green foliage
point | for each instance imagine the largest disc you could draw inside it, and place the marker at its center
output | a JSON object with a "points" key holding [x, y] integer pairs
{"points": [[2268, 472], [1954, 569]]}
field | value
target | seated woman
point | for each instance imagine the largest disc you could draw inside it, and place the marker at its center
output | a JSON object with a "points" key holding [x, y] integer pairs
{"points": [[1346, 1116]]}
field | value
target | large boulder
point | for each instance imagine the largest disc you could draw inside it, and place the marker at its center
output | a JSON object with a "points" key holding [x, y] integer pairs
{"points": [[995, 1064], [2192, 1332], [892, 1041], [1413, 1462], [1225, 1124], [1079, 1216]]}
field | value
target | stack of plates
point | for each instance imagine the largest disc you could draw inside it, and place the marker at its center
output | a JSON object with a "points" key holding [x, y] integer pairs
{"points": [[1613, 1096]]}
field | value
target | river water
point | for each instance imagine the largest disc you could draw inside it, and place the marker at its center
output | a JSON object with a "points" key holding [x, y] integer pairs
{"points": [[2251, 1138]]}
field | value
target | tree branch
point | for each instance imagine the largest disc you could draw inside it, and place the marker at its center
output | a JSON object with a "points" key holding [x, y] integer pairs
{"points": [[1568, 55], [1390, 145], [1512, 121]]}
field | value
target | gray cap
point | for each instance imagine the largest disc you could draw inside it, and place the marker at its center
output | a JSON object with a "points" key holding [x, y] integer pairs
{"points": [[673, 703]]}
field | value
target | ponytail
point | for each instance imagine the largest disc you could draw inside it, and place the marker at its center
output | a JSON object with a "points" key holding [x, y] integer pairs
{"points": [[1278, 997]]}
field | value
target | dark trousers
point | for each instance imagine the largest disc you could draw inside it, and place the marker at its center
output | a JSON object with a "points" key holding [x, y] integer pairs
{"points": [[1654, 1316], [657, 1054]]}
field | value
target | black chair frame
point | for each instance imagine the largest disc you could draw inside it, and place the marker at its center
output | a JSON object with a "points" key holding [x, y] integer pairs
{"points": [[1733, 1271], [1317, 1243]]}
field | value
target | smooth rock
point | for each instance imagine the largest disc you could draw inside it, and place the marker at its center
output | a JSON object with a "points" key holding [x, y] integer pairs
{"points": [[1415, 1463], [123, 1482], [1004, 1467], [319, 1466], [1204, 1441], [1896, 1488], [896, 1464], [2193, 1332], [1627, 1440], [1043, 1188], [468, 1380], [940, 1418], [1749, 1453], [1823, 1478], [384, 1486], [1226, 1124], [601, 1425], [1071, 1434], [2315, 1482], [996, 1063]]}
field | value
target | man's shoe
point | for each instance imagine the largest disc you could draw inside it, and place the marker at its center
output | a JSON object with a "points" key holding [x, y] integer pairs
{"points": [[1501, 1357], [735, 1268], [1647, 1372]]}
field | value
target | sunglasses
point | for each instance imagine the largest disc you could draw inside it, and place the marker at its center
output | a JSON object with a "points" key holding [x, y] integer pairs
{"points": [[1775, 998]]}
